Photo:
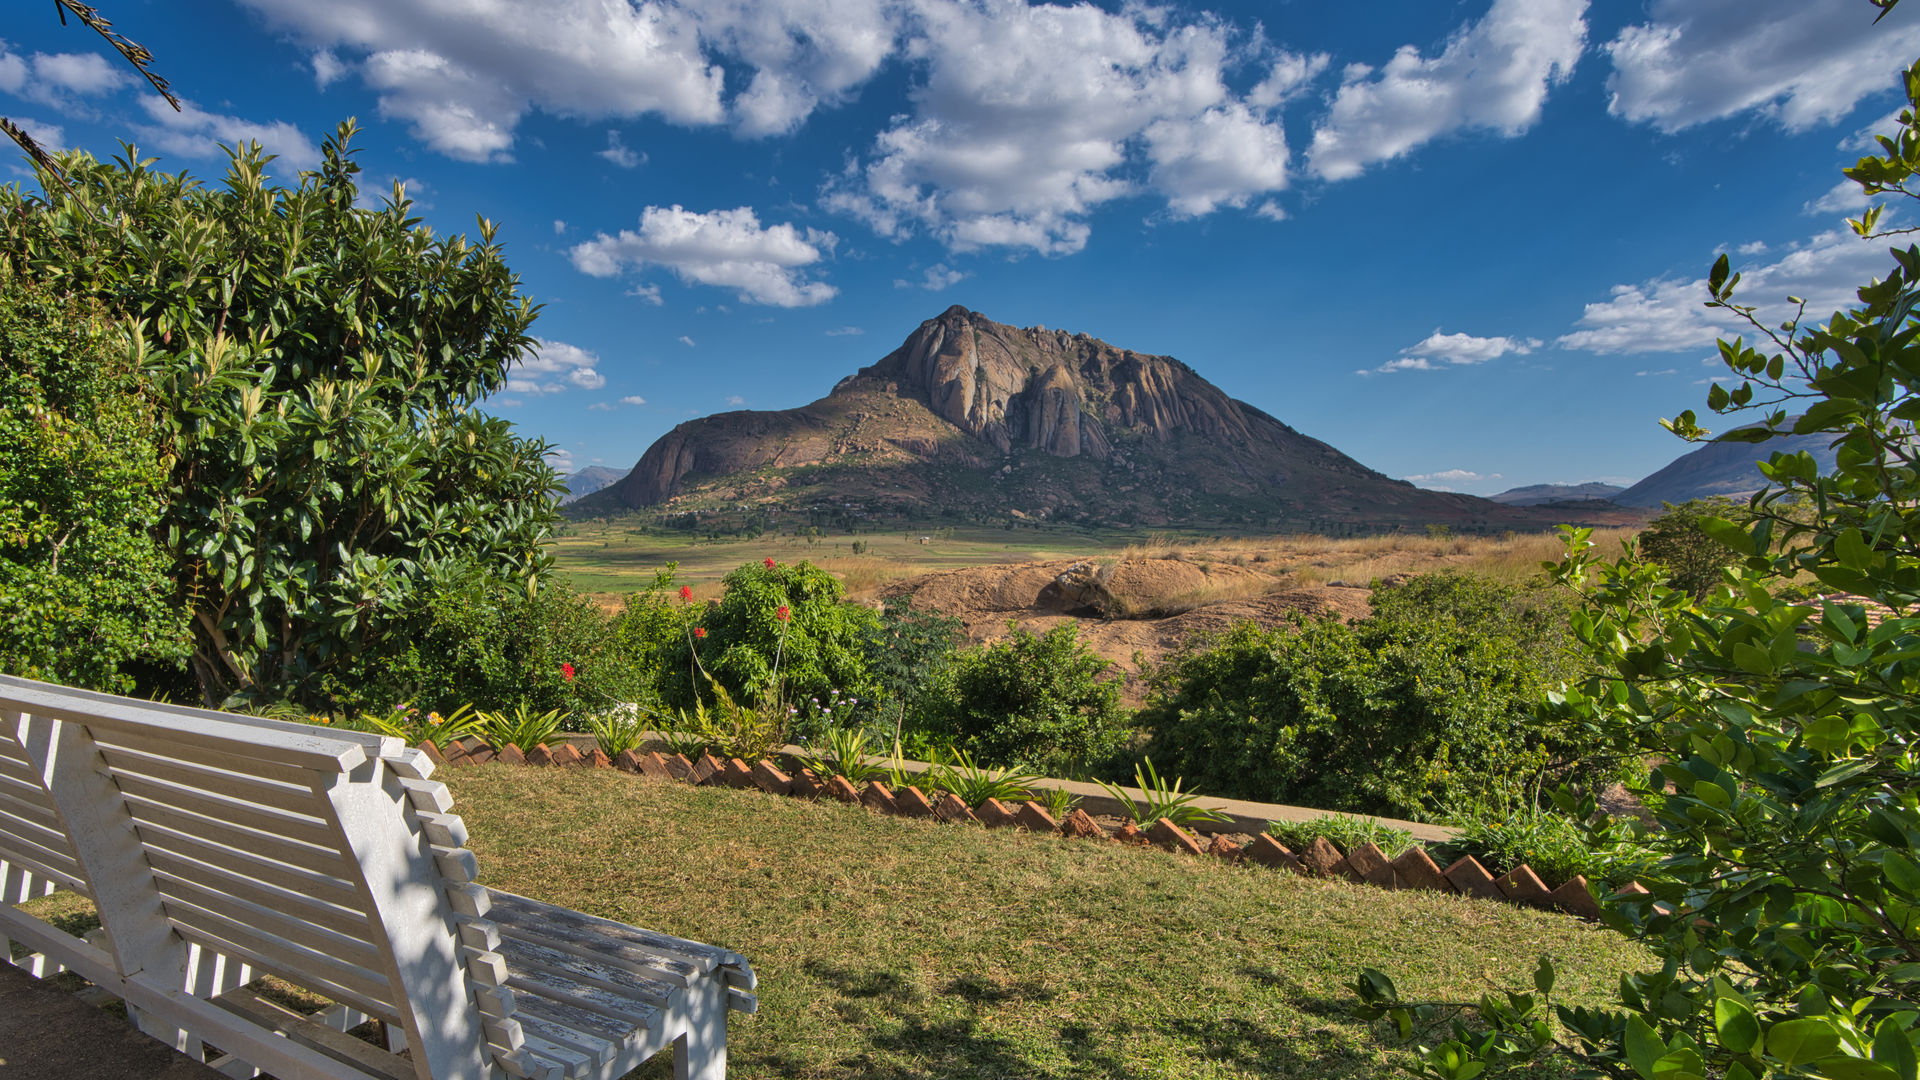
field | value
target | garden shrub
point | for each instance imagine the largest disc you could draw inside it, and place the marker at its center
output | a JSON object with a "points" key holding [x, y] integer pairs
{"points": [[1677, 540], [1345, 833], [1422, 710], [84, 588], [1039, 701], [1556, 846], [819, 648], [497, 646], [909, 654]]}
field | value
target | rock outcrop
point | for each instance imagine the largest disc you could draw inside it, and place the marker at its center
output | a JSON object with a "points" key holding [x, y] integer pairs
{"points": [[980, 421]]}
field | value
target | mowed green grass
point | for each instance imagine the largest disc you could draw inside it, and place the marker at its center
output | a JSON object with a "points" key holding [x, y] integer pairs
{"points": [[612, 559], [890, 948]]}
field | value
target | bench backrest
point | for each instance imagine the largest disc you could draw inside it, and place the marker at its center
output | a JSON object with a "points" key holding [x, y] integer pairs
{"points": [[319, 856]]}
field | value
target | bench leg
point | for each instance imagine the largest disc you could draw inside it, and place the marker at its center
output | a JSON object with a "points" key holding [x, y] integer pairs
{"points": [[700, 1053]]}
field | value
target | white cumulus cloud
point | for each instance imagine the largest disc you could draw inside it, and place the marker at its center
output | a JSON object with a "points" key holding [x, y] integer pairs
{"points": [[549, 367], [1798, 64], [938, 276], [620, 153], [633, 399], [193, 132], [1438, 350], [1669, 314], [1030, 116], [1492, 75], [725, 248], [1451, 479]]}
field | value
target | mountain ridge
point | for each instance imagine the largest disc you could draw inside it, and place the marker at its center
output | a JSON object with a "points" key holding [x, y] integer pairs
{"points": [[986, 421]]}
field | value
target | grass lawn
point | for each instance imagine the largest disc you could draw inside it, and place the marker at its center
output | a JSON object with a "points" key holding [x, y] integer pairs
{"points": [[890, 948]]}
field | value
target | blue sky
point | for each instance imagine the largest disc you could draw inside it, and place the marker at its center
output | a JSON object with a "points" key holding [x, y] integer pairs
{"points": [[1463, 242]]}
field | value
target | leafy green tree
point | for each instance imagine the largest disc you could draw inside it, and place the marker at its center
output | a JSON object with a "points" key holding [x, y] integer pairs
{"points": [[1785, 903], [1424, 709], [319, 365], [83, 584], [1039, 700], [909, 652], [759, 656], [1678, 540]]}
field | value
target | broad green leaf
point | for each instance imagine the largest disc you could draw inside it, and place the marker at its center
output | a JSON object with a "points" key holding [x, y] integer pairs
{"points": [[1643, 1047], [1796, 1042], [1736, 1025], [1893, 1047]]}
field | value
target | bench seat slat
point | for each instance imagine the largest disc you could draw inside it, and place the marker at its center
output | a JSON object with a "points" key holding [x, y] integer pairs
{"points": [[18, 769], [551, 1053], [641, 962], [345, 921], [348, 984], [17, 821], [57, 865], [521, 953], [286, 926], [16, 802], [162, 841], [583, 1033], [272, 823], [127, 742], [551, 986], [551, 921], [321, 860], [262, 792], [27, 788]]}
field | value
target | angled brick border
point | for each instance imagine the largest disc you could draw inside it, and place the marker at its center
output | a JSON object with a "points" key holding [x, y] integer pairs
{"points": [[1366, 863]]}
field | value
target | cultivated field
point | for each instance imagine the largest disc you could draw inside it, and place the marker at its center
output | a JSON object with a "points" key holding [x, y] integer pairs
{"points": [[612, 559]]}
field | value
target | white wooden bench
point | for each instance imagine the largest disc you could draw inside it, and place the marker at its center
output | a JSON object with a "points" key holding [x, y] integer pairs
{"points": [[219, 847]]}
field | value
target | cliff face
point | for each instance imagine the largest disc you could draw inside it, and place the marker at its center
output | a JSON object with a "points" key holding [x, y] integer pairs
{"points": [[1053, 391], [976, 419]]}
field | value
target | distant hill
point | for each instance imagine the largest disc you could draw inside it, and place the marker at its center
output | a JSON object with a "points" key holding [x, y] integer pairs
{"points": [[587, 481], [1729, 469], [977, 421], [1536, 494]]}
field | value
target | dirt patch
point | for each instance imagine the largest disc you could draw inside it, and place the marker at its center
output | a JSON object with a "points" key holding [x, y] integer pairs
{"points": [[1204, 600]]}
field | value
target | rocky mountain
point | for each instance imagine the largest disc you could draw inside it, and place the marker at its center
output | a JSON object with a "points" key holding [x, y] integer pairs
{"points": [[1727, 469], [587, 481], [1538, 494], [972, 420]]}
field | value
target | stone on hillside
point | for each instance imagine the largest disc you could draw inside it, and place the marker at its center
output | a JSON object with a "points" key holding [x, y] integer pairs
{"points": [[1224, 846], [952, 808], [1034, 816], [878, 797], [841, 788], [1321, 858], [1371, 864], [1415, 869], [994, 815], [511, 755], [771, 780], [1574, 897], [1174, 838], [1267, 851], [1081, 824], [806, 785], [1472, 879], [1077, 590], [1522, 885], [909, 802]]}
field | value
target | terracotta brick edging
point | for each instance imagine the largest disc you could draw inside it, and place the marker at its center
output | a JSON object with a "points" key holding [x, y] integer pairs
{"points": [[1413, 868]]}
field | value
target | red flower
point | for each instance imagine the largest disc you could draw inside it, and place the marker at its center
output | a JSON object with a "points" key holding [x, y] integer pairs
{"points": [[566, 670], [782, 613], [769, 562], [699, 631], [686, 592]]}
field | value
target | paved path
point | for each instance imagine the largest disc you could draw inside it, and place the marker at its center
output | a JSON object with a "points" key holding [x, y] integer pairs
{"points": [[49, 1034]]}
